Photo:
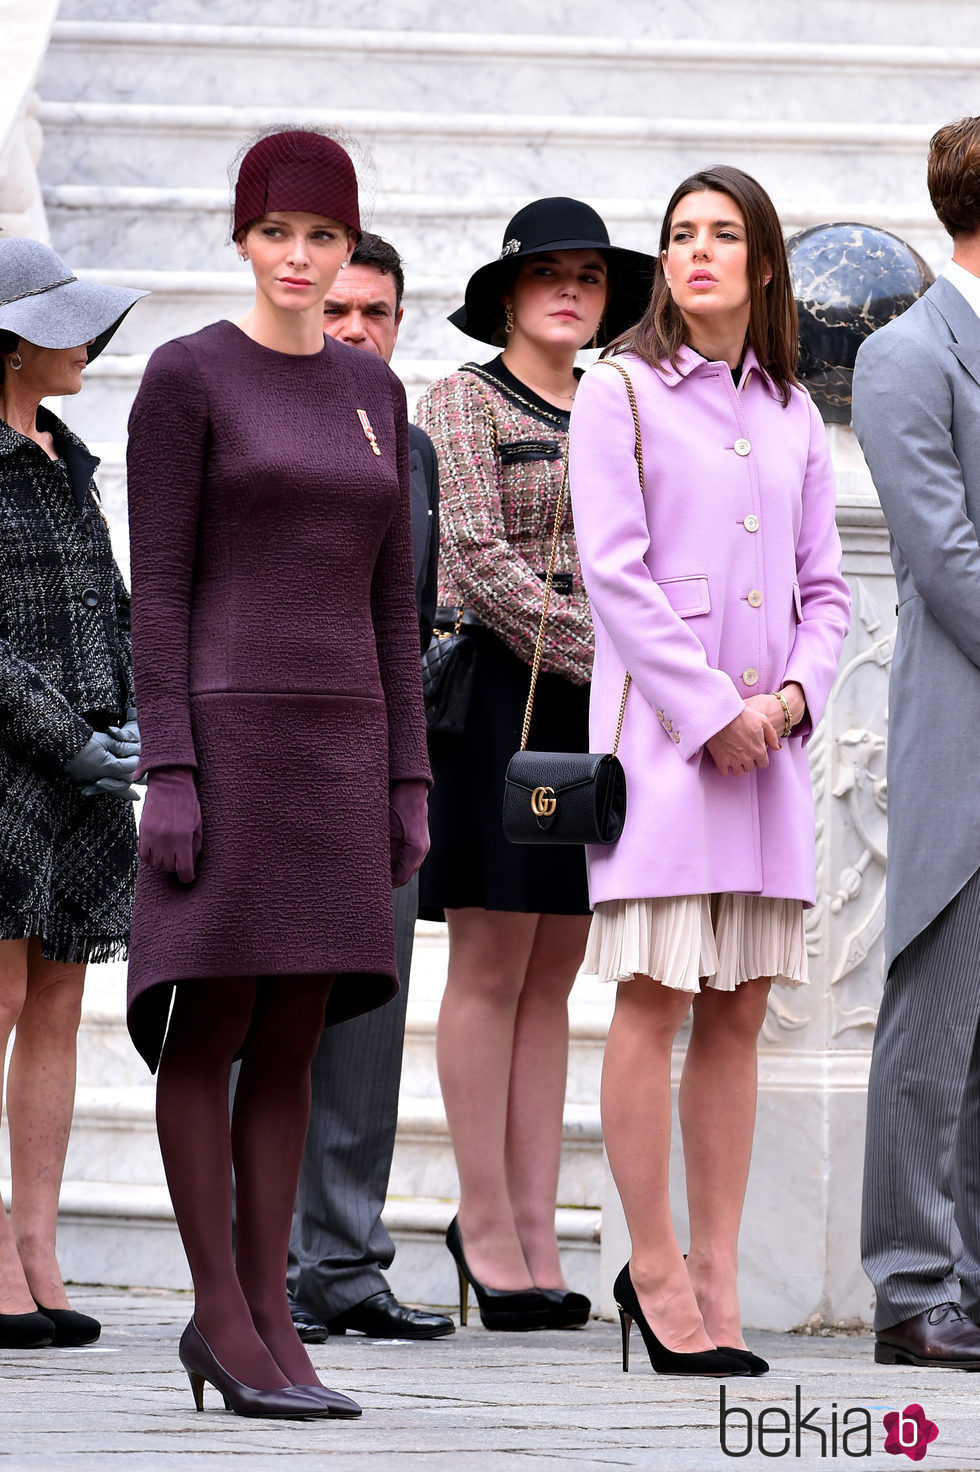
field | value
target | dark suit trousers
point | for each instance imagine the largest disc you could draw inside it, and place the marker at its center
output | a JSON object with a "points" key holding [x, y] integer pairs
{"points": [[920, 1232], [338, 1245]]}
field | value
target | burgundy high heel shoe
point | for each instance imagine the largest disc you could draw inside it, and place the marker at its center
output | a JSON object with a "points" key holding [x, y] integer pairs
{"points": [[292, 1402]]}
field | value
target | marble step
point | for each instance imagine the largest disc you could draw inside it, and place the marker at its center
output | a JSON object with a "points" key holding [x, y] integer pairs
{"points": [[114, 1138], [863, 22], [440, 236], [126, 1236], [101, 412], [184, 301], [180, 145], [448, 71]]}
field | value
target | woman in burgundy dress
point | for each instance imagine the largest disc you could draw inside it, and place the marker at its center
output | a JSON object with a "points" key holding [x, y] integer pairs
{"points": [[276, 659]]}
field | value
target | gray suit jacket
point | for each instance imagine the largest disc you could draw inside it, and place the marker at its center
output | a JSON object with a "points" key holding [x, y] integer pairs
{"points": [[916, 413]]}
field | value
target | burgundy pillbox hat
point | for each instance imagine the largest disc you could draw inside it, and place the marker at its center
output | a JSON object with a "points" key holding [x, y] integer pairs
{"points": [[298, 170]]}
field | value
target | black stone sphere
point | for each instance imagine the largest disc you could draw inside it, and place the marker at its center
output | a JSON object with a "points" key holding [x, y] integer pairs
{"points": [[848, 280]]}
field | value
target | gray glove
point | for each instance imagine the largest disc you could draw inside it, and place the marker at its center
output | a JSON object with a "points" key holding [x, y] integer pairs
{"points": [[130, 732], [105, 764]]}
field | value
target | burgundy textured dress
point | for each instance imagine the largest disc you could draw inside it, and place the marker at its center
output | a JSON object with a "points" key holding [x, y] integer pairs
{"points": [[275, 650]]}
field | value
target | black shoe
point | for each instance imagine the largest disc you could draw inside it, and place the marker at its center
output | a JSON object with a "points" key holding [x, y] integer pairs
{"points": [[568, 1310], [756, 1364], [25, 1331], [71, 1329], [500, 1308], [307, 1325], [667, 1361], [382, 1317]]}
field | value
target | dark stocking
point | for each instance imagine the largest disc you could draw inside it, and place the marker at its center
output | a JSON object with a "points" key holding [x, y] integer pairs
{"points": [[209, 1022], [269, 1124]]}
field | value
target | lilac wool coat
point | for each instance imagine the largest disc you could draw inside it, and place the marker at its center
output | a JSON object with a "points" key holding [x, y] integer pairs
{"points": [[720, 581]]}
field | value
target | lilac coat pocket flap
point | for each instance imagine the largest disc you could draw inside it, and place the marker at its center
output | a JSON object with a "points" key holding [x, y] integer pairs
{"points": [[687, 596]]}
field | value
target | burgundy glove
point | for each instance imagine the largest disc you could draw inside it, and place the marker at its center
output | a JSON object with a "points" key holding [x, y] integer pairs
{"points": [[408, 825], [170, 827]]}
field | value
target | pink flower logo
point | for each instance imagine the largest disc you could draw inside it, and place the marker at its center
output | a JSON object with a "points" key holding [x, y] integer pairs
{"points": [[909, 1431]]}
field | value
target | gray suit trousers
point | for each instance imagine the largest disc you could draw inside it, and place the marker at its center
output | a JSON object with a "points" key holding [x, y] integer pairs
{"points": [[338, 1246], [920, 1231]]}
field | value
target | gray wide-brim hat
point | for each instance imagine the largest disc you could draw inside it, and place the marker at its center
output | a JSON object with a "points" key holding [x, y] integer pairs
{"points": [[42, 302]]}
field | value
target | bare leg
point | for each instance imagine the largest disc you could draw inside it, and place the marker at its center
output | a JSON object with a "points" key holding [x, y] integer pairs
{"points": [[15, 1296], [537, 1090], [272, 1113], [488, 957], [40, 1101], [636, 1130], [717, 1102], [209, 1022]]}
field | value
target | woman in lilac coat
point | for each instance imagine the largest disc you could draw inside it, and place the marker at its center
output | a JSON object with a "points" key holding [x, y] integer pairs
{"points": [[718, 587]]}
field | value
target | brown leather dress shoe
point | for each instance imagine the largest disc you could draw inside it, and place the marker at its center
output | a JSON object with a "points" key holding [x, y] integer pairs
{"points": [[943, 1337]]}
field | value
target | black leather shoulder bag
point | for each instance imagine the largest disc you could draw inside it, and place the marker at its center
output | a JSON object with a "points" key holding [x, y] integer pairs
{"points": [[567, 796]]}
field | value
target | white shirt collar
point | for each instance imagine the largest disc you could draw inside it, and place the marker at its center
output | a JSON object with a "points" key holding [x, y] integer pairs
{"points": [[965, 282]]}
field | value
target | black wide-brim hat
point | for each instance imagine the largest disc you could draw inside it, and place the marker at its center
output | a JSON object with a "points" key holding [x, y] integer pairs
{"points": [[44, 303], [555, 224]]}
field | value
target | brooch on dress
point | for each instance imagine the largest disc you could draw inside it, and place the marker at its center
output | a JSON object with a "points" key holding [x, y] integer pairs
{"points": [[369, 434]]}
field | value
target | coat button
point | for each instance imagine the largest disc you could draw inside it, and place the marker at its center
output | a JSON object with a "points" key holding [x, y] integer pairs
{"points": [[750, 676], [755, 598], [751, 523], [742, 447], [675, 737], [90, 598]]}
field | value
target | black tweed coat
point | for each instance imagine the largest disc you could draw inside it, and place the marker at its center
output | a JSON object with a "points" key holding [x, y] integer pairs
{"points": [[67, 862]]}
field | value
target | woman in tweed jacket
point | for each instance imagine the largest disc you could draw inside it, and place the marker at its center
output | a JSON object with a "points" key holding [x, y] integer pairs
{"points": [[67, 836], [518, 917]]}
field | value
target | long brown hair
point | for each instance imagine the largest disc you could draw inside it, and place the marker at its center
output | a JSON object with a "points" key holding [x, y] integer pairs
{"points": [[660, 333]]}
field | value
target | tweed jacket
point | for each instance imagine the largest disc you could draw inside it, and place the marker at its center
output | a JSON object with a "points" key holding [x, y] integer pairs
{"points": [[64, 610], [500, 464], [916, 413]]}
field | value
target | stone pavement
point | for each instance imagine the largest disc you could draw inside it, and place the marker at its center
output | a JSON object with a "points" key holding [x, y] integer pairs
{"points": [[475, 1402]]}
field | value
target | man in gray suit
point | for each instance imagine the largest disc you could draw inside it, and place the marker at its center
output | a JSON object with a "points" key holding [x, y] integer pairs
{"points": [[339, 1246], [916, 412]]}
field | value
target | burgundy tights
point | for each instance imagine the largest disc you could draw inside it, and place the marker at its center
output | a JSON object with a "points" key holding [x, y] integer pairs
{"points": [[240, 1302]]}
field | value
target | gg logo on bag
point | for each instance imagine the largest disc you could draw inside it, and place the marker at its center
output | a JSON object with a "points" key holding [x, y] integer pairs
{"points": [[543, 802]]}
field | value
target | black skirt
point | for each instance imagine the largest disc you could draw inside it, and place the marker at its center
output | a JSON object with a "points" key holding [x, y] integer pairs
{"points": [[470, 861], [67, 864]]}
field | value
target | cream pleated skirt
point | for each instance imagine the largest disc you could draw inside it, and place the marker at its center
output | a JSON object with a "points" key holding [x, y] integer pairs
{"points": [[724, 938]]}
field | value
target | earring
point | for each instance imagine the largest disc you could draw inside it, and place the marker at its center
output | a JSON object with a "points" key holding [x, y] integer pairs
{"points": [[344, 265], [595, 337], [19, 363], [508, 319]]}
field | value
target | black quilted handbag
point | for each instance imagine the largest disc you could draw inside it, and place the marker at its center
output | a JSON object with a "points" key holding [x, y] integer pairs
{"points": [[567, 796], [448, 667]]}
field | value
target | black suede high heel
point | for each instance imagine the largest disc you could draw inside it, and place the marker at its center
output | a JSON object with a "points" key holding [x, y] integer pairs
{"points": [[25, 1331], [666, 1361], [756, 1364], [71, 1329], [500, 1308], [292, 1402]]}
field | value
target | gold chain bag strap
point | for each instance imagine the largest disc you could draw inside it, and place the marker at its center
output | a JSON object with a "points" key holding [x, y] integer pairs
{"points": [[567, 796]]}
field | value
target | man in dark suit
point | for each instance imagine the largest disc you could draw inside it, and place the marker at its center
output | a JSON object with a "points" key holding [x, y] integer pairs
{"points": [[916, 412], [339, 1245]]}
